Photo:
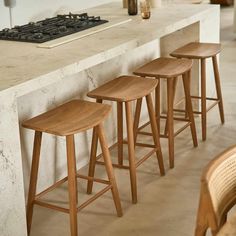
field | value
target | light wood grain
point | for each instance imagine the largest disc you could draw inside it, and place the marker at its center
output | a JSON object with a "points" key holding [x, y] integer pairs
{"points": [[164, 67], [109, 169], [69, 118], [130, 138], [202, 51], [203, 99], [170, 69], [124, 88], [218, 88], [72, 184], [33, 178], [196, 50]]}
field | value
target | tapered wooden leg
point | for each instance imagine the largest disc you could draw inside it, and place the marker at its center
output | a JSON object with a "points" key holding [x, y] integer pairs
{"points": [[170, 119], [92, 161], [202, 222], [137, 118], [33, 178], [155, 133], [189, 108], [158, 103], [120, 132], [218, 89], [174, 92], [189, 86], [109, 169], [93, 156], [72, 182], [203, 98], [132, 166]]}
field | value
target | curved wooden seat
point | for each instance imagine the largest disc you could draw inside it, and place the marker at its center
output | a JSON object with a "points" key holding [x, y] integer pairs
{"points": [[164, 67], [201, 52], [196, 50], [124, 88], [69, 118], [170, 69]]}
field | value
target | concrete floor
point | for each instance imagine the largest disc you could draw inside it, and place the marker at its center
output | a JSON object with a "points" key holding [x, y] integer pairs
{"points": [[167, 206]]}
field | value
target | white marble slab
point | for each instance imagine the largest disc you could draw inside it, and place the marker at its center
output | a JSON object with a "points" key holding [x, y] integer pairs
{"points": [[33, 80], [21, 62]]}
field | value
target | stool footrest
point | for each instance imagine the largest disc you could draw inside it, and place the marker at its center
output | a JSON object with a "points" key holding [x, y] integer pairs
{"points": [[207, 98], [51, 206], [166, 136], [97, 195], [79, 208], [176, 118], [208, 109], [114, 165], [138, 163], [141, 144], [183, 111], [57, 184]]}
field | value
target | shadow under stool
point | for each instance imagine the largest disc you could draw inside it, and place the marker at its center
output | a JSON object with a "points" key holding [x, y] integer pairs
{"points": [[67, 120], [170, 69], [125, 90], [202, 51]]}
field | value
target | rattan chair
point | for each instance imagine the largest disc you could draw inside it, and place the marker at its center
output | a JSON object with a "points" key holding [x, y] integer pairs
{"points": [[218, 192]]}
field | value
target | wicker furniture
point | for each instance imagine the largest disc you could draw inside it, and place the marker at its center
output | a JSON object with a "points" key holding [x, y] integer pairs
{"points": [[124, 90], [218, 192], [67, 120]]}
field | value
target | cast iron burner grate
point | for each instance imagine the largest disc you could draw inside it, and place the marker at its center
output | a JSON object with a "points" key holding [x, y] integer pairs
{"points": [[51, 28]]}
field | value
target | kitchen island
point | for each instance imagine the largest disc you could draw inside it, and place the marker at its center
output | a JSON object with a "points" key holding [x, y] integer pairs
{"points": [[33, 80]]}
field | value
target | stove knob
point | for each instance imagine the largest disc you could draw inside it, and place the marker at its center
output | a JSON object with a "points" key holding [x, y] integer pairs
{"points": [[38, 36], [62, 29]]}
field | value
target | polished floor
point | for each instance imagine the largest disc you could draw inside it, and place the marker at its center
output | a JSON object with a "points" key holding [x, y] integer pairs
{"points": [[167, 205]]}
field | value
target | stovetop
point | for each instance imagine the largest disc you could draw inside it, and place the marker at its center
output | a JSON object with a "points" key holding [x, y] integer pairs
{"points": [[51, 28]]}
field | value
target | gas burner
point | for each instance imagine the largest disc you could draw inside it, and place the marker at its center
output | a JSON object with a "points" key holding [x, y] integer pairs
{"points": [[51, 28]]}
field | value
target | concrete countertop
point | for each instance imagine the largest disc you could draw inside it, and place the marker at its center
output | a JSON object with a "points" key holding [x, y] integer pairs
{"points": [[24, 66]]}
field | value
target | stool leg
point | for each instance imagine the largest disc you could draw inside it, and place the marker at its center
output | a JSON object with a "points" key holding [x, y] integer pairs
{"points": [[218, 89], [92, 161], [109, 169], [158, 103], [170, 119], [175, 84], [155, 133], [33, 178], [137, 118], [72, 182], [93, 157], [132, 165], [203, 98], [120, 132], [189, 108]]}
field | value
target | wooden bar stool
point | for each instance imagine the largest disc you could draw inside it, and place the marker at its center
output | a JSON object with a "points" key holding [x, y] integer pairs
{"points": [[202, 51], [170, 69], [67, 120], [124, 90]]}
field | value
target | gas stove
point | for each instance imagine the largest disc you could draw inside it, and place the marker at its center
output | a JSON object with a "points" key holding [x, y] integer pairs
{"points": [[51, 28]]}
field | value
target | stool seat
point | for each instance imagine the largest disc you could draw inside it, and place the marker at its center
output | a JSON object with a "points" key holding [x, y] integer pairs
{"points": [[196, 50], [124, 88], [70, 118], [164, 67]]}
